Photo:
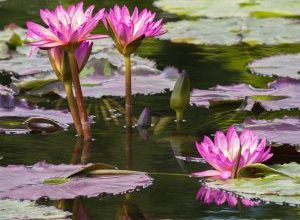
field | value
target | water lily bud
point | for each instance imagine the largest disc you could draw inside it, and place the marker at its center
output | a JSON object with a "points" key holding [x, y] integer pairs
{"points": [[60, 61], [144, 120], [180, 98]]}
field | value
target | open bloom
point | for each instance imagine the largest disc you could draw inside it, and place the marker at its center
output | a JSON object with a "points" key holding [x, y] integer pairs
{"points": [[66, 27], [208, 196], [223, 152], [59, 59], [129, 30]]}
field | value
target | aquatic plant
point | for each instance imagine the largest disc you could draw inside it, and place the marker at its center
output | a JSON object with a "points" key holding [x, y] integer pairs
{"points": [[219, 197], [228, 154], [128, 32], [68, 30], [180, 98]]}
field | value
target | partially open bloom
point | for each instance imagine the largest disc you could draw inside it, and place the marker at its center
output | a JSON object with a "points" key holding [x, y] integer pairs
{"points": [[66, 27], [208, 196], [60, 62], [129, 30], [223, 152]]}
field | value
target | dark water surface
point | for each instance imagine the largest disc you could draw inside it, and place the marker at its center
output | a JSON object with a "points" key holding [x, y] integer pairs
{"points": [[170, 197]]}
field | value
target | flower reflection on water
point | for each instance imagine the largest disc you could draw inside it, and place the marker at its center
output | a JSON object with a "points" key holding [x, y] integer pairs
{"points": [[219, 197]]}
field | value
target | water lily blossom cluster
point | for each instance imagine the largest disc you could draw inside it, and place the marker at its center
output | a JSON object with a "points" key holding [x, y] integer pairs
{"points": [[208, 196], [128, 31], [229, 152], [67, 37]]}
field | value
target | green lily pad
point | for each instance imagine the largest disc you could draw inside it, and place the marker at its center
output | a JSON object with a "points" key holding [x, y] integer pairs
{"points": [[231, 8], [280, 184], [23, 210], [230, 31]]}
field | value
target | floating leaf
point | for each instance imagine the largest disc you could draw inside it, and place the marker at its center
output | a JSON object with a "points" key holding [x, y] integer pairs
{"points": [[281, 94], [281, 65], [282, 131], [231, 31], [231, 8], [24, 210], [272, 188], [22, 182], [259, 170]]}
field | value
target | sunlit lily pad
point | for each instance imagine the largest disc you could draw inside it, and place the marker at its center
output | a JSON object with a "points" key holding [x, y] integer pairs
{"points": [[281, 94], [282, 131], [272, 188], [24, 210], [231, 8], [231, 31], [281, 65], [22, 182]]}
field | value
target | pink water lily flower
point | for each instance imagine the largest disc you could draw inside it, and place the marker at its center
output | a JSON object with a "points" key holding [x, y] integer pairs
{"points": [[222, 153], [65, 27], [208, 196], [56, 57], [128, 30]]}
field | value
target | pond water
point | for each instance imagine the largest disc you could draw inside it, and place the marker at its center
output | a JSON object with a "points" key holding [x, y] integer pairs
{"points": [[170, 196]]}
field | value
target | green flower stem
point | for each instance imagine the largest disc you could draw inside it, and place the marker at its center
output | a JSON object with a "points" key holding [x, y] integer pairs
{"points": [[87, 133], [179, 115], [236, 164], [128, 100], [73, 108]]}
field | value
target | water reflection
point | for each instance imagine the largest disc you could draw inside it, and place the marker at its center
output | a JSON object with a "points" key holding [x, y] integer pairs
{"points": [[80, 155], [208, 196]]}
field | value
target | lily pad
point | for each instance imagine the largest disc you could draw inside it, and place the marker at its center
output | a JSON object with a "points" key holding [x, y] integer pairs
{"points": [[231, 31], [286, 65], [281, 94], [24, 182], [272, 188], [231, 8], [24, 210], [282, 131]]}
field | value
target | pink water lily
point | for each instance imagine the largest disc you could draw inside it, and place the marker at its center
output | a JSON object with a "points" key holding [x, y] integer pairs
{"points": [[56, 56], [128, 30], [66, 27], [223, 152], [208, 196]]}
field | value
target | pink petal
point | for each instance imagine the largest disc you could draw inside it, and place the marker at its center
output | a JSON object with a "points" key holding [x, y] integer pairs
{"points": [[209, 173]]}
